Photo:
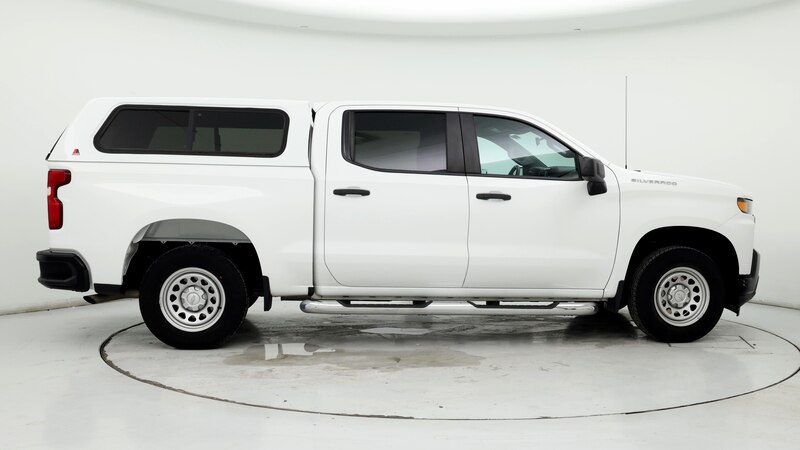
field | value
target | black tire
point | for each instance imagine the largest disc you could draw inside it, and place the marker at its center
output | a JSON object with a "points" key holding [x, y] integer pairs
{"points": [[643, 303], [251, 300], [216, 269]]}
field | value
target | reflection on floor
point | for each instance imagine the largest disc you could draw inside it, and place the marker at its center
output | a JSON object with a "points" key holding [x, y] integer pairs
{"points": [[468, 367], [293, 380]]}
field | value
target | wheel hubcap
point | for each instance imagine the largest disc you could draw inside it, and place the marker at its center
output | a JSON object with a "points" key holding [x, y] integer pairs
{"points": [[192, 299], [681, 296]]}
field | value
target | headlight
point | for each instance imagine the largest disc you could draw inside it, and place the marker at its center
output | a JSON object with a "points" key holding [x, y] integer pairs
{"points": [[745, 205]]}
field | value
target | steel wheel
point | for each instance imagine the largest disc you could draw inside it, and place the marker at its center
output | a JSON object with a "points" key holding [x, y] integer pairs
{"points": [[677, 294], [192, 299], [681, 296]]}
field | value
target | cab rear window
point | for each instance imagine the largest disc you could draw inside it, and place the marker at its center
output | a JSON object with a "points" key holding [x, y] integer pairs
{"points": [[194, 131]]}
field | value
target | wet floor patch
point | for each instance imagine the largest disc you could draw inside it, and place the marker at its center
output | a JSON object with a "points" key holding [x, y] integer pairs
{"points": [[300, 354], [459, 368], [395, 331]]}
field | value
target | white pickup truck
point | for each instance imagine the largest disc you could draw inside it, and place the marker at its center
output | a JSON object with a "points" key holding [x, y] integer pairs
{"points": [[201, 206]]}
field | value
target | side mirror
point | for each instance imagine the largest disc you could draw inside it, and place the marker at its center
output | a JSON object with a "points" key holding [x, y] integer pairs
{"points": [[593, 171]]}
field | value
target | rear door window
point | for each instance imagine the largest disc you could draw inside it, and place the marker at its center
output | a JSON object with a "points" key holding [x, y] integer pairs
{"points": [[398, 141], [197, 131]]}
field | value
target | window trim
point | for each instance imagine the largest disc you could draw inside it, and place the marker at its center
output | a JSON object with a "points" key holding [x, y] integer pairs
{"points": [[472, 156], [189, 127], [454, 152]]}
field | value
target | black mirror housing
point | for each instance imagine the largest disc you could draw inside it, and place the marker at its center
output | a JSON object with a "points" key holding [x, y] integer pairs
{"points": [[596, 187], [593, 171]]}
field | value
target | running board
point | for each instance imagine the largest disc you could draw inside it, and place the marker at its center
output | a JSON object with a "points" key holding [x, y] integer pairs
{"points": [[451, 308]]}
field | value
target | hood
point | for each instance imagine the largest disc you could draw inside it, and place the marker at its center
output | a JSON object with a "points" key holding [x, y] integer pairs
{"points": [[641, 179]]}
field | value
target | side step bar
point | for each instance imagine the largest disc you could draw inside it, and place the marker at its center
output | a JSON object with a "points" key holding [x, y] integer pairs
{"points": [[451, 308]]}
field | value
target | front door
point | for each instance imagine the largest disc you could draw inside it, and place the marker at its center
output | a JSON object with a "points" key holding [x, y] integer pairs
{"points": [[532, 223]]}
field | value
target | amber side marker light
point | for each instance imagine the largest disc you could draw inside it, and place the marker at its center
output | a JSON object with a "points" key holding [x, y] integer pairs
{"points": [[745, 205]]}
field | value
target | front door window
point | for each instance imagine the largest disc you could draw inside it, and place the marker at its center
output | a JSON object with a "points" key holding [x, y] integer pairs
{"points": [[512, 148]]}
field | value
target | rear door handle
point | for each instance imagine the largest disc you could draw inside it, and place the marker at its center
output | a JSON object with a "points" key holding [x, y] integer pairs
{"points": [[361, 192], [493, 196]]}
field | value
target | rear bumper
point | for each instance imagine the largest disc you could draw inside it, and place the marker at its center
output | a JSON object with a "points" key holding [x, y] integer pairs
{"points": [[745, 288], [62, 270]]}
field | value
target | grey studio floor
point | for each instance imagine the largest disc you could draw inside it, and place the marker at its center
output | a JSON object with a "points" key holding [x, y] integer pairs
{"points": [[94, 377]]}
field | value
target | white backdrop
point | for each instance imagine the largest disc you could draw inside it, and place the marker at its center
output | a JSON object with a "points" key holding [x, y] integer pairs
{"points": [[716, 98]]}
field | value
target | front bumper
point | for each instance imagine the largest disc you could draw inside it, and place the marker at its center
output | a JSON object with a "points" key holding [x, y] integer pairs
{"points": [[62, 270], [745, 287]]}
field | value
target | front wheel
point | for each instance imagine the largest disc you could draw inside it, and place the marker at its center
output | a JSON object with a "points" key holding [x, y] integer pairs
{"points": [[677, 294], [193, 297]]}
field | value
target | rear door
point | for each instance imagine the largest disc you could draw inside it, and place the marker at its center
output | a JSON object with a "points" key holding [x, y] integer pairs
{"points": [[396, 206]]}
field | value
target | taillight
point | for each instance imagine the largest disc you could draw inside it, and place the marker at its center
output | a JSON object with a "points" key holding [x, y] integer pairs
{"points": [[55, 209]]}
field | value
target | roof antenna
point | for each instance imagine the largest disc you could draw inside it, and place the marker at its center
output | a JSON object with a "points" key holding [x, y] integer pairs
{"points": [[626, 121]]}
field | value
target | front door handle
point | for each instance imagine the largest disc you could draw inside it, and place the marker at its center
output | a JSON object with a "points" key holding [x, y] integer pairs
{"points": [[361, 192], [493, 196]]}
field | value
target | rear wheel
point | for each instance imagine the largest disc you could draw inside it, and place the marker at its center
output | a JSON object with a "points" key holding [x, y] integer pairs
{"points": [[677, 294], [193, 297]]}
